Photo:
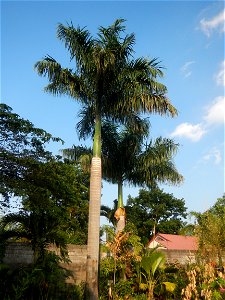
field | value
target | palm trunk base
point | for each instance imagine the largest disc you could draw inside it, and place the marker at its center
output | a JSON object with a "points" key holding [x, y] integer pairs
{"points": [[120, 216], [120, 224], [92, 279]]}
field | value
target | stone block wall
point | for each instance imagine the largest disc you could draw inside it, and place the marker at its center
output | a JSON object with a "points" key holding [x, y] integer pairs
{"points": [[18, 254], [21, 253]]}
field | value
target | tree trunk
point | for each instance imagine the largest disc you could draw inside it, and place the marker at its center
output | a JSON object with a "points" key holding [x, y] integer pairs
{"points": [[120, 213], [151, 290], [93, 229], [120, 193], [94, 216], [120, 224]]}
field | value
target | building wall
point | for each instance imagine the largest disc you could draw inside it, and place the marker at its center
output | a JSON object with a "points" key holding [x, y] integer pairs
{"points": [[179, 256], [21, 253]]}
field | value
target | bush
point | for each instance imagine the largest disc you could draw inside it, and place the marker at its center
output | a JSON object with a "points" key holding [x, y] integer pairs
{"points": [[44, 280]]}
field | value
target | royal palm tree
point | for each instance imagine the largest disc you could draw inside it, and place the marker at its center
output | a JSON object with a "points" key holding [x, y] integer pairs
{"points": [[126, 159], [109, 81]]}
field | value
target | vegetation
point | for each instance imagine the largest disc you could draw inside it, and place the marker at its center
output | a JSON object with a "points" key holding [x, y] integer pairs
{"points": [[155, 211], [54, 199], [148, 276], [152, 211], [210, 231], [21, 145], [126, 158], [54, 210], [115, 91], [45, 279], [109, 83]]}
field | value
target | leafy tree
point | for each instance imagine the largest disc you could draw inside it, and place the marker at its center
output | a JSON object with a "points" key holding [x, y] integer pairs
{"points": [[54, 209], [109, 83], [30, 171], [210, 231], [20, 145], [155, 211]]}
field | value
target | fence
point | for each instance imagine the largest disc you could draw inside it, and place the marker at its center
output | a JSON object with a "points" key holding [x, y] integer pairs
{"points": [[21, 253]]}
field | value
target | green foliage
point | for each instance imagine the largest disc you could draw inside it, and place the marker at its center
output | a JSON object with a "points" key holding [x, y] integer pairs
{"points": [[155, 209], [109, 83], [55, 208], [151, 262], [123, 290], [210, 231], [127, 158], [21, 145], [109, 213], [44, 280], [54, 199], [54, 193], [203, 282], [123, 251]]}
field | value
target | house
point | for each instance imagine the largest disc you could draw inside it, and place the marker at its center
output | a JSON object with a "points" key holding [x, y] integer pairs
{"points": [[177, 248]]}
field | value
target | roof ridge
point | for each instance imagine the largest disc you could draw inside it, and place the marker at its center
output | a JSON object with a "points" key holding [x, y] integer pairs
{"points": [[160, 234]]}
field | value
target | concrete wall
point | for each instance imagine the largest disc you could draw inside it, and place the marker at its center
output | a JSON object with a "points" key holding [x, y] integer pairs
{"points": [[179, 256], [21, 253]]}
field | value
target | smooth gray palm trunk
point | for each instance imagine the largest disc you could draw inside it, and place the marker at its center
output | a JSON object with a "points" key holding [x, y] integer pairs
{"points": [[93, 229], [94, 214]]}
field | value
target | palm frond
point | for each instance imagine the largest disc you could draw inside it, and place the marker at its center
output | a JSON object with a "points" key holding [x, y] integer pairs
{"points": [[113, 30], [13, 220], [85, 127], [79, 154], [62, 81], [78, 41]]}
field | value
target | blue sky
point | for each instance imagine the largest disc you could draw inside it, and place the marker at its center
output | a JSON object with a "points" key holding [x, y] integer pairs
{"points": [[186, 36]]}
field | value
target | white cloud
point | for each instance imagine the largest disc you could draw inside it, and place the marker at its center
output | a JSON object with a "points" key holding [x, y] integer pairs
{"points": [[214, 154], [190, 131], [215, 23], [215, 112], [185, 69], [220, 76], [215, 115]]}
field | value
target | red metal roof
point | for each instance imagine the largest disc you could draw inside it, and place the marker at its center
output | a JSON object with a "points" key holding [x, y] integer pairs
{"points": [[176, 242]]}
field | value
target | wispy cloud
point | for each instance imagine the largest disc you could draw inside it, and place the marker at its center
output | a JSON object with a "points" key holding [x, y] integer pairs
{"points": [[220, 76], [214, 115], [215, 112], [190, 131], [216, 23], [213, 155], [185, 69]]}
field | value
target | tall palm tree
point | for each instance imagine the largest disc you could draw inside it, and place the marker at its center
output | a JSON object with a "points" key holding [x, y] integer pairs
{"points": [[127, 159], [109, 81]]}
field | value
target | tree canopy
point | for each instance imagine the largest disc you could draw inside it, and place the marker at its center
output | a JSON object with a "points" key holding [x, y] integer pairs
{"points": [[155, 211], [21, 144], [53, 192], [210, 231]]}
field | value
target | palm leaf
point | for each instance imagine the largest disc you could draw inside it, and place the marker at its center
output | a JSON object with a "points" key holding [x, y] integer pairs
{"points": [[78, 41]]}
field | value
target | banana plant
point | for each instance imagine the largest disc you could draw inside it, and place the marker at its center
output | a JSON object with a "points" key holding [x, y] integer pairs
{"points": [[151, 262]]}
